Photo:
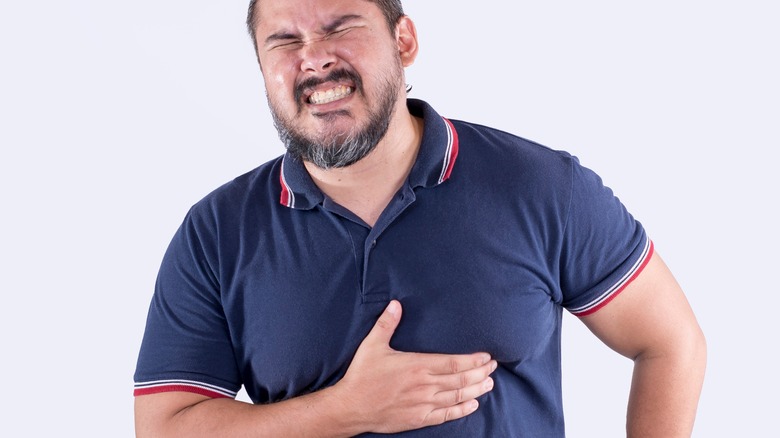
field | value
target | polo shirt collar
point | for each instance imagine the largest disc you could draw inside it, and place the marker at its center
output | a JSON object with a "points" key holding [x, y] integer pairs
{"points": [[435, 161]]}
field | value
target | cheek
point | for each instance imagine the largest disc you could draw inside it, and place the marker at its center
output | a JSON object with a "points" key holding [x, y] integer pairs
{"points": [[282, 78], [279, 70], [276, 83], [279, 88], [348, 53], [373, 60]]}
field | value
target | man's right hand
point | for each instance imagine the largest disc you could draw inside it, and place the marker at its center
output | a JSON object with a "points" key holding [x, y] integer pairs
{"points": [[383, 391], [392, 391]]}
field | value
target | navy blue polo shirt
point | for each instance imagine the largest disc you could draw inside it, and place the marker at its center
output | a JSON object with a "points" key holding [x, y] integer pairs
{"points": [[270, 284]]}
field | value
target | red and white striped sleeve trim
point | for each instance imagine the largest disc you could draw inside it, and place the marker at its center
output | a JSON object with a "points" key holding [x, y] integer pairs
{"points": [[158, 386], [618, 287]]}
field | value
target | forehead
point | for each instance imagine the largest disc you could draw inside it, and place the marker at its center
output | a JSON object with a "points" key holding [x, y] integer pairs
{"points": [[310, 14]]}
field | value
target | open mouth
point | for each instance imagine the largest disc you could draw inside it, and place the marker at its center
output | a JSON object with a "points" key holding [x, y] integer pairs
{"points": [[330, 95], [336, 85]]}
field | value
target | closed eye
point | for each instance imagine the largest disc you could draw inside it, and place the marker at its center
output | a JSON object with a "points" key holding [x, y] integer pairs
{"points": [[339, 27], [288, 43], [281, 39], [285, 44], [343, 31]]}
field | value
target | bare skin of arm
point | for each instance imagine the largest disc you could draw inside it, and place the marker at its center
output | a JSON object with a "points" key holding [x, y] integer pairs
{"points": [[652, 323], [383, 391]]}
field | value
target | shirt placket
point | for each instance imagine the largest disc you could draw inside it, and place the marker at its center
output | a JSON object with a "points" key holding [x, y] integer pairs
{"points": [[375, 287]]}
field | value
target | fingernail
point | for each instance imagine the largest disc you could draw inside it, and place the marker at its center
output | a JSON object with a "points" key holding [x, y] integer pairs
{"points": [[392, 308], [485, 358], [488, 384], [494, 366], [472, 405]]}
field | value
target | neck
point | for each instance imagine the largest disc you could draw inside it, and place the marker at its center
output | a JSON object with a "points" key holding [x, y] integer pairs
{"points": [[366, 187]]}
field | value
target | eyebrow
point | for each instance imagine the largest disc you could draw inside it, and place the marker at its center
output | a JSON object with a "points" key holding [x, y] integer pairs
{"points": [[328, 28]]}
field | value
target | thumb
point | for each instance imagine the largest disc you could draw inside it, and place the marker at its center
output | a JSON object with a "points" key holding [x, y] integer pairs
{"points": [[386, 324]]}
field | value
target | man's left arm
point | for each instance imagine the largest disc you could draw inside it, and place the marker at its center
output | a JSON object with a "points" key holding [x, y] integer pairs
{"points": [[652, 323]]}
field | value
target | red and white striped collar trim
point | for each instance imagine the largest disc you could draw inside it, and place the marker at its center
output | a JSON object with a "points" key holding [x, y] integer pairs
{"points": [[288, 196], [439, 137], [451, 153]]}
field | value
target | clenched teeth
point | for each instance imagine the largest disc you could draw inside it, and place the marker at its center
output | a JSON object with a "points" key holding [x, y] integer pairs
{"points": [[335, 93]]}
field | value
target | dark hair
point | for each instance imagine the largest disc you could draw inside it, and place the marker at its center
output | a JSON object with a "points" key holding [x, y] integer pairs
{"points": [[391, 9]]}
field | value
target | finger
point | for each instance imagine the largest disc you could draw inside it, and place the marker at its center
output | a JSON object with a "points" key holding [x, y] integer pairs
{"points": [[442, 415], [438, 364], [386, 324], [455, 397], [465, 378]]}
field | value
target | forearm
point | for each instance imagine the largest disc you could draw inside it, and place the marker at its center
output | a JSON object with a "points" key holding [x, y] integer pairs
{"points": [[383, 390], [318, 414], [665, 391]]}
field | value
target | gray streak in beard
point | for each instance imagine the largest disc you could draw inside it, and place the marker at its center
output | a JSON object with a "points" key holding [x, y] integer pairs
{"points": [[340, 151]]}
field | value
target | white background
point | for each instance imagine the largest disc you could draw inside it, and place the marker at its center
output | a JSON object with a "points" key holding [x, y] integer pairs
{"points": [[116, 116]]}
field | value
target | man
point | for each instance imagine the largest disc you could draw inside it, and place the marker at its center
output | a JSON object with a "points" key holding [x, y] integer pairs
{"points": [[398, 272]]}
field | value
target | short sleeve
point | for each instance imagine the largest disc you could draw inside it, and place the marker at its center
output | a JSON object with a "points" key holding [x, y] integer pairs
{"points": [[186, 345], [604, 247]]}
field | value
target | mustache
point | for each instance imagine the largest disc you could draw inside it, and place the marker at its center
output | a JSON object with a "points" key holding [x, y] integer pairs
{"points": [[334, 76]]}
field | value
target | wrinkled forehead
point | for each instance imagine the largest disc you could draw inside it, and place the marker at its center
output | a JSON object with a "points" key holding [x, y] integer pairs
{"points": [[306, 14]]}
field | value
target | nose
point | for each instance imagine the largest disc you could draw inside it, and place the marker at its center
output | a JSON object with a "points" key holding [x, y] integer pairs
{"points": [[317, 56]]}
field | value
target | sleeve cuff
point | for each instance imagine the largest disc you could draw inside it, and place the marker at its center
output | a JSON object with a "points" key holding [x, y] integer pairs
{"points": [[618, 287], [159, 386]]}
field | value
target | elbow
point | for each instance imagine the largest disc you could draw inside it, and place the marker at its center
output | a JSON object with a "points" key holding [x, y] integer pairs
{"points": [[692, 346], [699, 349], [688, 353], [684, 348]]}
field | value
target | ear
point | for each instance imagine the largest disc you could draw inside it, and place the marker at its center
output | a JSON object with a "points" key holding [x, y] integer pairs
{"points": [[406, 38]]}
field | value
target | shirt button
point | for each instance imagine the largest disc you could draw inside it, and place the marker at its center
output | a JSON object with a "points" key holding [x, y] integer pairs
{"points": [[373, 243]]}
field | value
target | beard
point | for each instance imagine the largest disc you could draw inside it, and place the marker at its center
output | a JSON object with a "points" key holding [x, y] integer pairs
{"points": [[340, 149]]}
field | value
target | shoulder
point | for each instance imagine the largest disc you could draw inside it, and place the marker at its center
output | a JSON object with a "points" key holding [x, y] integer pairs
{"points": [[510, 157], [258, 187]]}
